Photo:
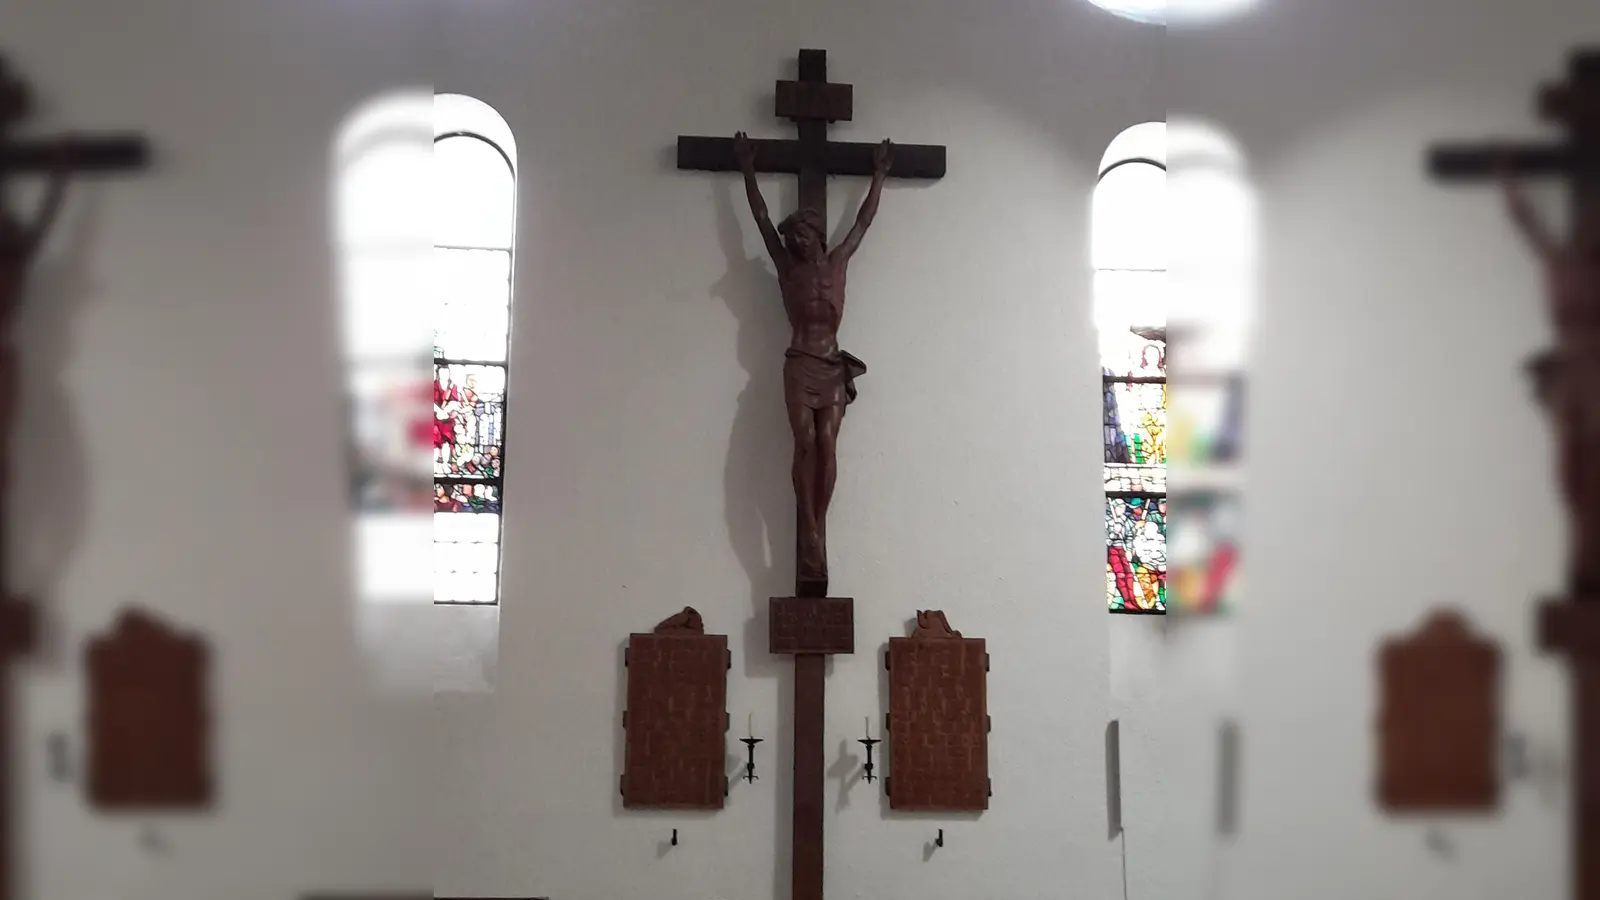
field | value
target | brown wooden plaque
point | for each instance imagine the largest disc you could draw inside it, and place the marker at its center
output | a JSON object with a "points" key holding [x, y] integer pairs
{"points": [[938, 719], [811, 625], [677, 717], [149, 723], [1438, 720]]}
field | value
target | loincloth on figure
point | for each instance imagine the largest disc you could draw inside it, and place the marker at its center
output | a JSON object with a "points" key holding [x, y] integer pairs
{"points": [[820, 382]]}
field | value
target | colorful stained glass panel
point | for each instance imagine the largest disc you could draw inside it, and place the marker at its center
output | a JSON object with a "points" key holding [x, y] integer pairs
{"points": [[461, 497], [1206, 421], [1125, 353], [389, 437], [468, 421], [1204, 551], [1141, 479], [1135, 423], [1136, 553]]}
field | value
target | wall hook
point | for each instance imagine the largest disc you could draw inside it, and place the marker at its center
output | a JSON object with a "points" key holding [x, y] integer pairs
{"points": [[60, 758], [674, 837], [939, 841], [1516, 757]]}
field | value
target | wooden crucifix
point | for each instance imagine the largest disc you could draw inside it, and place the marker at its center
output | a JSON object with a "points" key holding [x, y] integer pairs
{"points": [[57, 159], [1568, 382], [818, 384]]}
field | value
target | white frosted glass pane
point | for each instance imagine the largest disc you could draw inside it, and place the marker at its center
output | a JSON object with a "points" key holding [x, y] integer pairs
{"points": [[465, 588], [1129, 224], [472, 313], [385, 305], [381, 199], [1123, 299], [466, 559], [475, 200], [1213, 219], [466, 527], [392, 557]]}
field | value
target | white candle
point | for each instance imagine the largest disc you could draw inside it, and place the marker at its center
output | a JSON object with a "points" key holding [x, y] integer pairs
{"points": [[866, 726], [750, 726]]}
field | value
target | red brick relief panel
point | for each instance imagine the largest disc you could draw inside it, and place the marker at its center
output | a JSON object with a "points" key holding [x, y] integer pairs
{"points": [[676, 720], [149, 722], [938, 719], [1438, 723]]}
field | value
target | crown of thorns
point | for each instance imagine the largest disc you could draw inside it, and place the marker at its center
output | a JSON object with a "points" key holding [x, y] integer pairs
{"points": [[805, 218]]}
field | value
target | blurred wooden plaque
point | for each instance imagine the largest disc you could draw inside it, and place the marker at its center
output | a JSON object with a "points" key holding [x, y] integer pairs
{"points": [[149, 723], [938, 719], [1438, 722], [677, 717]]}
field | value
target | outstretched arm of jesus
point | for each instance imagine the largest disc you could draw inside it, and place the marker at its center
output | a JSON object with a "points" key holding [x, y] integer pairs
{"points": [[49, 207], [882, 159], [746, 153], [1523, 214]]}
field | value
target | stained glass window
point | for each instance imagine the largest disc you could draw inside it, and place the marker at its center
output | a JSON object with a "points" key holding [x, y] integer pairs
{"points": [[381, 233], [474, 245], [1128, 249], [1204, 549]]}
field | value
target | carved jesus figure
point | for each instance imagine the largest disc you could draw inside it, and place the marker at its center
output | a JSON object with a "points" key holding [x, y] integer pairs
{"points": [[19, 244], [818, 377], [19, 240], [1568, 379]]}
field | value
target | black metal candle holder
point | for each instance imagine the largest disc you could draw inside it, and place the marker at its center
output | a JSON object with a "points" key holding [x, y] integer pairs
{"points": [[869, 743], [750, 775]]}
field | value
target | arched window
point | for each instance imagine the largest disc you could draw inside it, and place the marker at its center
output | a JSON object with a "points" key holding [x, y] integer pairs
{"points": [[380, 158], [1129, 252], [474, 244], [1213, 265]]}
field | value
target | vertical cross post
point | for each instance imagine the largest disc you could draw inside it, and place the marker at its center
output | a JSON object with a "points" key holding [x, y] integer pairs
{"points": [[810, 669], [18, 632], [19, 240], [1571, 625]]}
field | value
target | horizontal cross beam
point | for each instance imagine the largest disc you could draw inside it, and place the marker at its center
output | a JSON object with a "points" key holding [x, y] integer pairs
{"points": [[715, 154], [1476, 162], [100, 154]]}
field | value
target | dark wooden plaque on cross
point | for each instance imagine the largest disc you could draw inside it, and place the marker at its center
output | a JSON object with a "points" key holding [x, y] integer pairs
{"points": [[810, 625], [1568, 383], [938, 719], [20, 238]]}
